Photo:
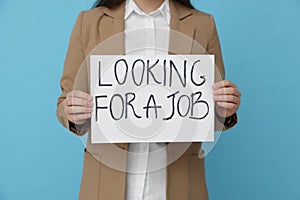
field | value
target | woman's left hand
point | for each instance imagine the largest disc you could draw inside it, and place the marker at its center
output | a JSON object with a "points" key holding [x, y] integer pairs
{"points": [[227, 98]]}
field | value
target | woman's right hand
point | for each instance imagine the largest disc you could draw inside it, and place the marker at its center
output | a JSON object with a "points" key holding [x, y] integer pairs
{"points": [[78, 106]]}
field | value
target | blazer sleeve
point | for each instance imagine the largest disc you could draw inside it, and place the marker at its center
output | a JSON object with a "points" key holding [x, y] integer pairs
{"points": [[73, 76], [214, 48]]}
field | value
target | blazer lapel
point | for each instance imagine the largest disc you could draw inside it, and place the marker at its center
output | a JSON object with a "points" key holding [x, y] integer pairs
{"points": [[112, 28], [181, 34]]}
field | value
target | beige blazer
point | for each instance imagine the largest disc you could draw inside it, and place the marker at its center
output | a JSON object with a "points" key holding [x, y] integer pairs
{"points": [[104, 170]]}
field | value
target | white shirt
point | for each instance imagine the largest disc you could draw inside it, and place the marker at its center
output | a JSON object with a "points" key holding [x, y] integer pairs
{"points": [[146, 34]]}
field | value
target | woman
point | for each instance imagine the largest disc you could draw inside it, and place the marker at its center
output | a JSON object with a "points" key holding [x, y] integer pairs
{"points": [[182, 179]]}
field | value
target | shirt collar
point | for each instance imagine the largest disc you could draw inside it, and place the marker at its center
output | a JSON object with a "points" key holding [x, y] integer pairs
{"points": [[164, 10]]}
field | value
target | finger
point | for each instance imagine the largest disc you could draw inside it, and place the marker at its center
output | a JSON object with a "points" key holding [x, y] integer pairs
{"points": [[80, 94], [77, 110], [222, 84], [228, 105], [79, 118], [227, 91], [227, 98], [78, 102]]}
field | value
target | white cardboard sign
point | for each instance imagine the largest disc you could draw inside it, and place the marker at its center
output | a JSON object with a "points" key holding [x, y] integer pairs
{"points": [[161, 98]]}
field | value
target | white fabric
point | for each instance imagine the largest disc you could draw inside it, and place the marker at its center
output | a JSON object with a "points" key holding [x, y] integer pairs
{"points": [[146, 34]]}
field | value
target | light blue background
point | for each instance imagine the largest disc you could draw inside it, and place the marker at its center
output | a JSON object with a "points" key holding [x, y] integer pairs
{"points": [[258, 159]]}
